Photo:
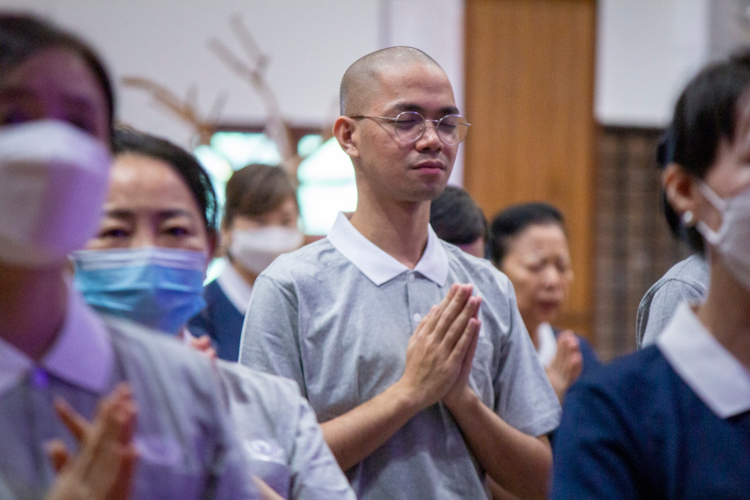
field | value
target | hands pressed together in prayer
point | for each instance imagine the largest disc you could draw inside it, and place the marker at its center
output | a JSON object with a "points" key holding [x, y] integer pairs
{"points": [[441, 350], [567, 365]]}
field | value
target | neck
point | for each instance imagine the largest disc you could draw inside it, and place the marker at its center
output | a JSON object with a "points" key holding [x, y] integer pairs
{"points": [[533, 332], [726, 312], [33, 304], [248, 276], [398, 228]]}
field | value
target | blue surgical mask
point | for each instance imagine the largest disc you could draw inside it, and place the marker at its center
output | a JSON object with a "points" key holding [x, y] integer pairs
{"points": [[159, 287]]}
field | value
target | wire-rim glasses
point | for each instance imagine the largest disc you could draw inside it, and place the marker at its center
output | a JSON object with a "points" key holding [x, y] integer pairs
{"points": [[410, 126]]}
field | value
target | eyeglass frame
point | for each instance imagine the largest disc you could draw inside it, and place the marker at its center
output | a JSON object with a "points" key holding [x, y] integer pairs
{"points": [[435, 124]]}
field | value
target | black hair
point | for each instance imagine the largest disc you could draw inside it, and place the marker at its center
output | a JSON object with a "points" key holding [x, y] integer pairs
{"points": [[22, 36], [512, 221], [256, 190], [456, 218], [706, 113], [184, 163]]}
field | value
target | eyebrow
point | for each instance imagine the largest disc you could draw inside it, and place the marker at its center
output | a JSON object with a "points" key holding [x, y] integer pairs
{"points": [[76, 101], [447, 110], [120, 213]]}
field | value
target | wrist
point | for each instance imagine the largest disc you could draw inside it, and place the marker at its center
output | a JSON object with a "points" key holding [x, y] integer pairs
{"points": [[461, 401], [407, 399]]}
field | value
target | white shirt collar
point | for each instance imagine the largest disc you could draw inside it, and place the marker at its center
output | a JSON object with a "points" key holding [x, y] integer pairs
{"points": [[547, 351], [379, 266], [82, 354], [235, 287], [716, 377]]}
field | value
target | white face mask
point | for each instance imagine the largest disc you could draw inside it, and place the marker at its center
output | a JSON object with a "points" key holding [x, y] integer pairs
{"points": [[732, 240], [255, 249], [53, 184]]}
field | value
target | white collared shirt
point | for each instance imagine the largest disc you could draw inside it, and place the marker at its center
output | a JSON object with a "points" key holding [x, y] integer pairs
{"points": [[234, 286], [81, 355], [706, 366], [547, 350], [378, 265]]}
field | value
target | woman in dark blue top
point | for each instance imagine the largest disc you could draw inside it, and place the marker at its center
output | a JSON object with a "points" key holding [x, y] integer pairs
{"points": [[673, 420], [259, 224], [528, 242]]}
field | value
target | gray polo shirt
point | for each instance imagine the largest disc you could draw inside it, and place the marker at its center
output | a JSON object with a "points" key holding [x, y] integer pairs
{"points": [[685, 281], [280, 435], [336, 316], [187, 448]]}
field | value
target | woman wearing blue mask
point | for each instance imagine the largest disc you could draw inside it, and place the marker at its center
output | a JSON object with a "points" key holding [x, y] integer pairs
{"points": [[147, 263], [259, 224], [56, 115], [673, 420]]}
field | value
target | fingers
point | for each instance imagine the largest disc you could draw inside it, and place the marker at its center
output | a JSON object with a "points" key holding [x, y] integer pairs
{"points": [[467, 342], [57, 453], [453, 309], [266, 492], [459, 324], [76, 424]]}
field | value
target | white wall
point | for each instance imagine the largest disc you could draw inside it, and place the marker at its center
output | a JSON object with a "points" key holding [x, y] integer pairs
{"points": [[310, 45], [646, 52]]}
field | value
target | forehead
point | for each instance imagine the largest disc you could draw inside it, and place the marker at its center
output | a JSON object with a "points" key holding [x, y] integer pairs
{"points": [[540, 237], [140, 182], [56, 73], [413, 87]]}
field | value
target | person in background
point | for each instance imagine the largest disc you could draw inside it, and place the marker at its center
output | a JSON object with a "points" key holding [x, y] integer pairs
{"points": [[148, 262], [673, 420], [378, 322], [685, 281], [161, 433], [529, 244], [457, 219], [259, 224]]}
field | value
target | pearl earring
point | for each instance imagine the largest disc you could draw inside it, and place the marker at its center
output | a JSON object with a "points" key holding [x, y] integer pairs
{"points": [[687, 218]]}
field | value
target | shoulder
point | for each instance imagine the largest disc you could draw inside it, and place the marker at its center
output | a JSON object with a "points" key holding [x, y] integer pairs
{"points": [[690, 275], [262, 386], [627, 383], [308, 262], [480, 271], [158, 354]]}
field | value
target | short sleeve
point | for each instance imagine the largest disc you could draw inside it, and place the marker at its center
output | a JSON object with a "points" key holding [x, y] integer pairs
{"points": [[315, 473], [524, 397], [270, 332], [592, 447], [654, 315]]}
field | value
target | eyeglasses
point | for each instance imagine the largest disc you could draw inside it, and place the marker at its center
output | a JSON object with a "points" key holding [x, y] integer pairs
{"points": [[410, 126]]}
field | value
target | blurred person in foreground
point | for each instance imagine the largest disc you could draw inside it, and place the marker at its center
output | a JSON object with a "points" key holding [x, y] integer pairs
{"points": [[161, 432], [529, 244], [673, 420], [685, 281], [148, 263], [421, 392], [260, 223]]}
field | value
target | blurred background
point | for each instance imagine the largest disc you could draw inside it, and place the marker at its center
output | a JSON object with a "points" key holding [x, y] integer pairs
{"points": [[567, 100]]}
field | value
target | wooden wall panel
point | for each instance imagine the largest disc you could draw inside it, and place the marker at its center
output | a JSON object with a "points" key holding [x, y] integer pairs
{"points": [[529, 96]]}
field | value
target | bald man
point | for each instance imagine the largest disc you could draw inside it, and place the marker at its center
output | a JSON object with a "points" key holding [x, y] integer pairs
{"points": [[412, 352]]}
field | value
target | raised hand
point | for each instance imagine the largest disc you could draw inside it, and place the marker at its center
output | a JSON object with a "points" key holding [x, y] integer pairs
{"points": [[203, 345], [567, 365], [437, 351], [103, 467]]}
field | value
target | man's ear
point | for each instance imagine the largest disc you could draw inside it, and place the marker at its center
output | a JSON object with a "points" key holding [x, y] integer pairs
{"points": [[680, 189], [345, 130]]}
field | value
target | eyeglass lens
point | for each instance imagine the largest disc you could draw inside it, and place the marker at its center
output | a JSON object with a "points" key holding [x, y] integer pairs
{"points": [[451, 129]]}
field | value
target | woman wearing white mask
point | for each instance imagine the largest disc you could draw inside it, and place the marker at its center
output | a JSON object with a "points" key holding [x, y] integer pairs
{"points": [[56, 115], [147, 264], [673, 420], [259, 224]]}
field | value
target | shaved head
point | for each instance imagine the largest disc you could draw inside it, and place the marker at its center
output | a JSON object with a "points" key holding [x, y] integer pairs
{"points": [[360, 81]]}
